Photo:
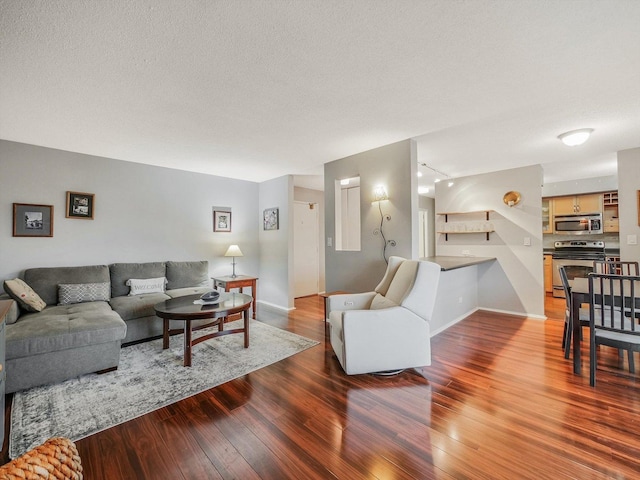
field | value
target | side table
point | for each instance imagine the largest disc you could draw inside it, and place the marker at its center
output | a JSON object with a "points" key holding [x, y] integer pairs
{"points": [[228, 282]]}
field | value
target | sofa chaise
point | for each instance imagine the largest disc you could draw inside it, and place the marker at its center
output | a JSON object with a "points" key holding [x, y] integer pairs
{"points": [[90, 312]]}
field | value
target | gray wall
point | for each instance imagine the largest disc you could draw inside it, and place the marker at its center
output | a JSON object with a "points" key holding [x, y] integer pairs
{"points": [[628, 187], [514, 283], [393, 166], [276, 258], [315, 196], [142, 213]]}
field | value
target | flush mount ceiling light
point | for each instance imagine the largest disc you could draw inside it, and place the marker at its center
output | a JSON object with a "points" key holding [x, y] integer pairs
{"points": [[575, 137]]}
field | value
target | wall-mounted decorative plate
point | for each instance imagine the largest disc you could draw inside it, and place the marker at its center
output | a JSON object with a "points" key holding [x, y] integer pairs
{"points": [[511, 198]]}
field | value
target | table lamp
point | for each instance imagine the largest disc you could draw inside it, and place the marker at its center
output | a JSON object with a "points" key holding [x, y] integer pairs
{"points": [[233, 251]]}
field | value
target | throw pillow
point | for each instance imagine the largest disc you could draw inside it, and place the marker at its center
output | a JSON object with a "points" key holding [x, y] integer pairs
{"points": [[146, 285], [24, 295], [69, 293], [379, 302]]}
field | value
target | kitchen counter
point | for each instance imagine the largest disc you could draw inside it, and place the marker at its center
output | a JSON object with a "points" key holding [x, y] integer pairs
{"points": [[452, 262]]}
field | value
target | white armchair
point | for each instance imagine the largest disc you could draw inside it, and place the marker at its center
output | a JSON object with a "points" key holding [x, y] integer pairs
{"points": [[387, 329]]}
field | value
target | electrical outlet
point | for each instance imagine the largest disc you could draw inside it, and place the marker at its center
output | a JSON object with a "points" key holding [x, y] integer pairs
{"points": [[466, 252], [459, 299], [329, 242]]}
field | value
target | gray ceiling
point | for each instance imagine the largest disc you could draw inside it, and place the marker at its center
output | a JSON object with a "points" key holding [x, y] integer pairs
{"points": [[256, 89]]}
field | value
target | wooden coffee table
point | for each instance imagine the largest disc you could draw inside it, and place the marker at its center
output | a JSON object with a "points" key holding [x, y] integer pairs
{"points": [[183, 308]]}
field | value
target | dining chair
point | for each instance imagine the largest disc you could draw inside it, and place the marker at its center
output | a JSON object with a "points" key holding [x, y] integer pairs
{"points": [[616, 267], [614, 311], [568, 320]]}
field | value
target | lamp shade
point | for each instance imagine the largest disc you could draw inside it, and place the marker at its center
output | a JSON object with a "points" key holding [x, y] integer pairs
{"points": [[233, 251], [380, 193]]}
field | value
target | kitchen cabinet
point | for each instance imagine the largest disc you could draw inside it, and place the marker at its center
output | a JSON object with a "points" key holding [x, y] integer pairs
{"points": [[570, 205], [548, 274], [465, 227], [547, 215], [610, 221]]}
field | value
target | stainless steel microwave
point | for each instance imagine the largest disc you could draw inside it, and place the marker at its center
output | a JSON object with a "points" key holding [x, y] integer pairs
{"points": [[580, 224]]}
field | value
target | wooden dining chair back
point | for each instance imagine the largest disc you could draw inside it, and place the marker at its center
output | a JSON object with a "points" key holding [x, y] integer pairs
{"points": [[614, 316], [616, 267], [568, 320]]}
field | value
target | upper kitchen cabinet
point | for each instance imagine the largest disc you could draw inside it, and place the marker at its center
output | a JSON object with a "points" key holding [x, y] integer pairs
{"points": [[591, 203], [547, 215], [611, 223]]}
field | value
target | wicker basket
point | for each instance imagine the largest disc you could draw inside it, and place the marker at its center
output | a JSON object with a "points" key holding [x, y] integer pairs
{"points": [[57, 458]]}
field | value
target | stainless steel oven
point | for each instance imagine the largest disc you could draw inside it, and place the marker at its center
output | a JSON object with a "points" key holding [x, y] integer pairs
{"points": [[576, 256], [581, 224]]}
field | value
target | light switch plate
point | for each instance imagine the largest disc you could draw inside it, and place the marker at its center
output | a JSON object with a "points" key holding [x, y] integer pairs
{"points": [[527, 241], [632, 239], [329, 242]]}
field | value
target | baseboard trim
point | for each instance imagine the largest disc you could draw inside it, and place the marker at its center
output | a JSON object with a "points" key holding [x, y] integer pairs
{"points": [[273, 306], [517, 314]]}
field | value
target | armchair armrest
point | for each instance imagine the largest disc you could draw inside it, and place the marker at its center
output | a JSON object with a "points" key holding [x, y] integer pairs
{"points": [[350, 301]]}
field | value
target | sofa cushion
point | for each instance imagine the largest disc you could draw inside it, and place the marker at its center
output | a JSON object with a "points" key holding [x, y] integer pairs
{"points": [[45, 281], [24, 295], [121, 272], [137, 306], [181, 292], [379, 302], [402, 281], [63, 327], [140, 286], [187, 274], [69, 293]]}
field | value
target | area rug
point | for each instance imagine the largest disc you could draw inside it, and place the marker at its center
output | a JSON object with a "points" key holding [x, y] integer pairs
{"points": [[147, 378]]}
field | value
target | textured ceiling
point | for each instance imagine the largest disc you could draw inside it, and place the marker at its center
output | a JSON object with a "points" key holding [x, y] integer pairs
{"points": [[256, 89]]}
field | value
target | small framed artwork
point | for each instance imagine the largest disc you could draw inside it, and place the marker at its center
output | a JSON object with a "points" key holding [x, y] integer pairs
{"points": [[270, 219], [80, 205], [31, 220], [221, 221]]}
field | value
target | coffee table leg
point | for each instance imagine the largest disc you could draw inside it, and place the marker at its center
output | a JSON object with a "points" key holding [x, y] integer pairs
{"points": [[187, 343], [246, 328], [165, 333]]}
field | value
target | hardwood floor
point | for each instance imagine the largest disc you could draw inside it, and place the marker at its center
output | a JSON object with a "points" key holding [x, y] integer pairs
{"points": [[498, 402]]}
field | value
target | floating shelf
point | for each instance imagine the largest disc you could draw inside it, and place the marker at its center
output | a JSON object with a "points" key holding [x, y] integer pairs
{"points": [[446, 219]]}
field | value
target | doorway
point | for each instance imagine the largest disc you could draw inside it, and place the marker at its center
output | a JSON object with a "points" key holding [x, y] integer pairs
{"points": [[306, 249], [423, 250]]}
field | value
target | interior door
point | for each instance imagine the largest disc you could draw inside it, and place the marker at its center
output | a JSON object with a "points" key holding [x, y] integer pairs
{"points": [[306, 252]]}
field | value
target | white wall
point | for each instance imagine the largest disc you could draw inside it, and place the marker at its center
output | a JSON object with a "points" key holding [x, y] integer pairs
{"points": [[315, 196], [275, 286], [142, 213], [393, 166], [515, 282], [583, 185], [628, 209]]}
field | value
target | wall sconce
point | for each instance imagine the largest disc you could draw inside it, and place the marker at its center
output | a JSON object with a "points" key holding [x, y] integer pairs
{"points": [[380, 193], [511, 198]]}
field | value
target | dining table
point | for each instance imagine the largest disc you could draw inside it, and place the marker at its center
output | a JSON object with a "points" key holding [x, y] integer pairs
{"points": [[579, 296]]}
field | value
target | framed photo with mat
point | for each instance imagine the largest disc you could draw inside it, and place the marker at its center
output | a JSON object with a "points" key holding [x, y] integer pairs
{"points": [[31, 220], [80, 205]]}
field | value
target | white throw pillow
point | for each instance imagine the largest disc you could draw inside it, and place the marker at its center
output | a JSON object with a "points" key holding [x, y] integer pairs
{"points": [[147, 285], [69, 293]]}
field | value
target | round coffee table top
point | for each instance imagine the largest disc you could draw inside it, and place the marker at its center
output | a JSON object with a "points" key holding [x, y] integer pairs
{"points": [[183, 308]]}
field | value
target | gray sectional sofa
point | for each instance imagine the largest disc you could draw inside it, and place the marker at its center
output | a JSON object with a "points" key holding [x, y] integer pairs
{"points": [[64, 341]]}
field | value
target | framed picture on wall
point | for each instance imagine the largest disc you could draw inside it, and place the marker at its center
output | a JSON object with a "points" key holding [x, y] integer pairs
{"points": [[80, 205], [221, 221], [270, 219], [31, 220]]}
